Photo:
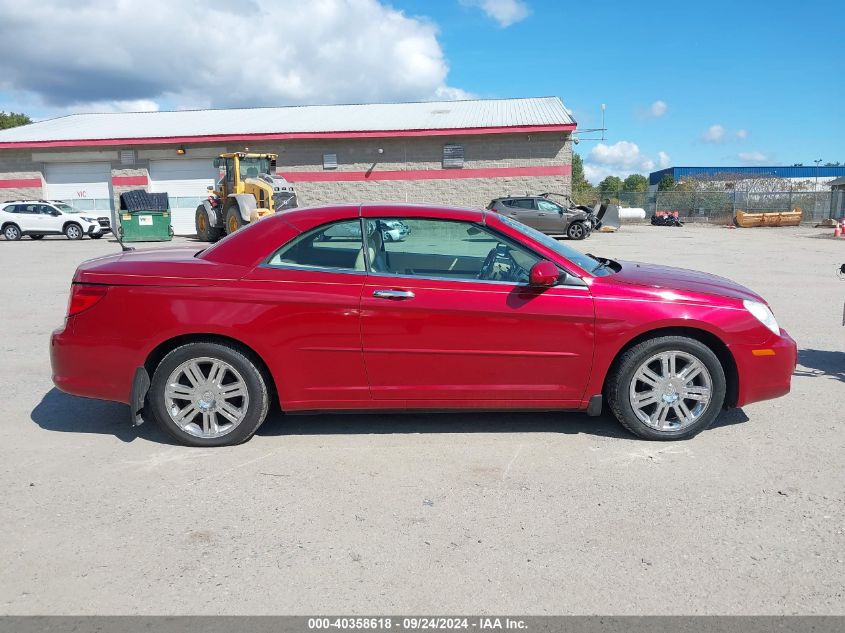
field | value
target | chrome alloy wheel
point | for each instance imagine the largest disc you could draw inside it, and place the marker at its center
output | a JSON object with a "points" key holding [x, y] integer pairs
{"points": [[670, 390], [206, 397]]}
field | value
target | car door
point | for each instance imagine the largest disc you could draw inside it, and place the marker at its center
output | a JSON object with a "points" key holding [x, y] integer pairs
{"points": [[28, 218], [439, 326], [49, 219], [550, 217], [307, 297], [524, 210]]}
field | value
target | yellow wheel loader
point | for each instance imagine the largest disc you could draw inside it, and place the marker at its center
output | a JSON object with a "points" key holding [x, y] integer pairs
{"points": [[247, 190]]}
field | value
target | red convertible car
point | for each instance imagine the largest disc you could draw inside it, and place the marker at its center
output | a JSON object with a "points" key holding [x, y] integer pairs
{"points": [[472, 310]]}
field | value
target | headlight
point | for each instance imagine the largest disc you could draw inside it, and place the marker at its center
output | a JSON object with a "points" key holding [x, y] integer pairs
{"points": [[94, 220], [763, 314]]}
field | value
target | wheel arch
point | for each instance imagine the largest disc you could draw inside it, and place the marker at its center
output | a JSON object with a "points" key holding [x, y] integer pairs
{"points": [[158, 353], [68, 222], [716, 345]]}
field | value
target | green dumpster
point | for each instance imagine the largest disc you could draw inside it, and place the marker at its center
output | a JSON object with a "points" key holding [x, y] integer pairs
{"points": [[145, 226]]}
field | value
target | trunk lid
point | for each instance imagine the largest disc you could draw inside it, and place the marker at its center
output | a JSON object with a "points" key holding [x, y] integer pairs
{"points": [[177, 266]]}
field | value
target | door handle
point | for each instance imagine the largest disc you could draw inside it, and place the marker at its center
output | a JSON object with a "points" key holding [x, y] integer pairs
{"points": [[396, 295], [541, 213]]}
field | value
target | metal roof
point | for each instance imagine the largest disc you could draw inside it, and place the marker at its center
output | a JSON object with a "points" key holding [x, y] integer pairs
{"points": [[482, 115], [782, 171]]}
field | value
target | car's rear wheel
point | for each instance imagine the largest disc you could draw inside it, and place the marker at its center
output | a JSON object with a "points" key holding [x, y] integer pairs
{"points": [[667, 388], [73, 231], [576, 231], [209, 394], [36, 237], [12, 232]]}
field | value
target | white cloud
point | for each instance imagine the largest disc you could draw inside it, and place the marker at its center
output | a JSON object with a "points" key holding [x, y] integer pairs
{"points": [[619, 159], [742, 134], [326, 51], [753, 157], [658, 109], [714, 134], [663, 160], [505, 12]]}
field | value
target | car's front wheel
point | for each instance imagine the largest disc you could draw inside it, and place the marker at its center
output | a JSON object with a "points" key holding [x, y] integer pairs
{"points": [[576, 231], [73, 231], [667, 388], [209, 394]]}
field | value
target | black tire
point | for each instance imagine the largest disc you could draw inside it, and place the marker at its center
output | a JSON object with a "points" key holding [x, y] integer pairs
{"points": [[243, 362], [36, 237], [622, 373], [234, 221], [73, 231], [12, 232], [386, 236], [96, 236], [576, 231], [205, 231]]}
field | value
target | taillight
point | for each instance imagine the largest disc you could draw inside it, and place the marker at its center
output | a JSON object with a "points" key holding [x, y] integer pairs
{"points": [[83, 296]]}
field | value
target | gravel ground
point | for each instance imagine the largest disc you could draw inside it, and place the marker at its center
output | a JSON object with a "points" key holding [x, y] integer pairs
{"points": [[471, 513]]}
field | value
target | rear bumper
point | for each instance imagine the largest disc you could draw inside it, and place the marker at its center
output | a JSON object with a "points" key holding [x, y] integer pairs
{"points": [[765, 371], [89, 367]]}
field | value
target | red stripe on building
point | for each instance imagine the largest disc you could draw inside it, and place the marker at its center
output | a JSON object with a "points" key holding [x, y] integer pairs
{"points": [[278, 136], [425, 174], [20, 183], [125, 181]]}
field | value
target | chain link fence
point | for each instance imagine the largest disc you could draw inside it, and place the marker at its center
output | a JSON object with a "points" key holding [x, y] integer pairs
{"points": [[719, 207]]}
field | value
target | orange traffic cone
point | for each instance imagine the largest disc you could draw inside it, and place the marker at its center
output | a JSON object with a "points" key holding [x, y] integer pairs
{"points": [[837, 231]]}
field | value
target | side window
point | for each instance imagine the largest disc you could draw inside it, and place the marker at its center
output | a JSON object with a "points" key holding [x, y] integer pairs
{"points": [[28, 208], [336, 245], [524, 203], [545, 205], [445, 248], [45, 209], [12, 208]]}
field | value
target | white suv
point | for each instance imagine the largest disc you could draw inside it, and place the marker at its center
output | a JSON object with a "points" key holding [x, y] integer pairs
{"points": [[38, 218]]}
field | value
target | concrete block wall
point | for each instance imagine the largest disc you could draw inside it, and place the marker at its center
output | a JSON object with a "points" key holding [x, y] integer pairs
{"points": [[17, 165]]}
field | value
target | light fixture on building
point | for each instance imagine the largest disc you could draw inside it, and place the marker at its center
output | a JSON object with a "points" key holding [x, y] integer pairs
{"points": [[381, 150], [180, 150]]}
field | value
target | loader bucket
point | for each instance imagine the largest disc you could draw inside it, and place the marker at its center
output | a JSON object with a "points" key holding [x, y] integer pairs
{"points": [[608, 215]]}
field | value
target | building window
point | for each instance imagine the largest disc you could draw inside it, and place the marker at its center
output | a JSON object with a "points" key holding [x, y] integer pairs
{"points": [[453, 156], [329, 161], [127, 157]]}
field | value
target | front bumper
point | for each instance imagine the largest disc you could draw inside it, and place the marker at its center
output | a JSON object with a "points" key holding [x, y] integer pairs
{"points": [[765, 371], [96, 229]]}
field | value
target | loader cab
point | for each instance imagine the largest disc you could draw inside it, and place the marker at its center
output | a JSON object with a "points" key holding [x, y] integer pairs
{"points": [[240, 166]]}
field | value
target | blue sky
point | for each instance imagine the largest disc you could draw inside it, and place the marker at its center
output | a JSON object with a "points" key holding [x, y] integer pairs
{"points": [[771, 74], [715, 83]]}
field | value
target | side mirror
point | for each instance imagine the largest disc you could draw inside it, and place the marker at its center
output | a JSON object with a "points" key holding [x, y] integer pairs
{"points": [[210, 188], [55, 213], [544, 274]]}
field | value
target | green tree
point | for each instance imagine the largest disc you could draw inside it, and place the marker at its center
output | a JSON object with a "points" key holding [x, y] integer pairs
{"points": [[666, 183], [13, 119], [610, 185], [635, 182], [582, 191]]}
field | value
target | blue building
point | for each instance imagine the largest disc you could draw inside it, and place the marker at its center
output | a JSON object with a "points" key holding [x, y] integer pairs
{"points": [[811, 173]]}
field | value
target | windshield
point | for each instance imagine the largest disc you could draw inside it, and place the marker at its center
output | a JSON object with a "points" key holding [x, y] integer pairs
{"points": [[65, 208], [586, 262], [252, 167]]}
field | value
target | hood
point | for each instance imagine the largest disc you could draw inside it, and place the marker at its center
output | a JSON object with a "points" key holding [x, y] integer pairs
{"points": [[156, 267], [681, 280]]}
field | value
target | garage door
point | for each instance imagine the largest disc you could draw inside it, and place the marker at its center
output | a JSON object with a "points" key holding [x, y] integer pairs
{"points": [[85, 186], [186, 182]]}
